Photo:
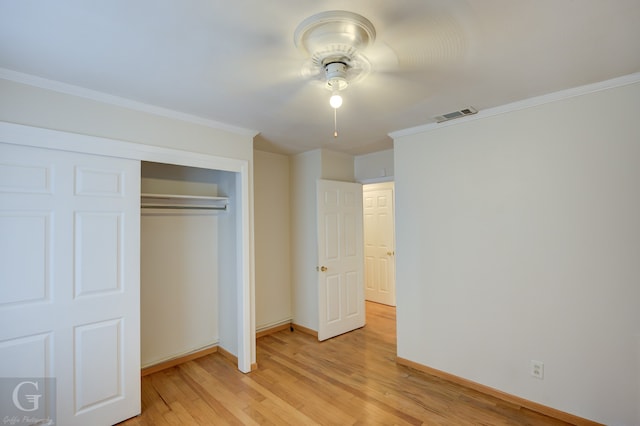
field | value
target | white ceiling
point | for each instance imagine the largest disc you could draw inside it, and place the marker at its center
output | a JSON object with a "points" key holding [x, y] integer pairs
{"points": [[235, 62]]}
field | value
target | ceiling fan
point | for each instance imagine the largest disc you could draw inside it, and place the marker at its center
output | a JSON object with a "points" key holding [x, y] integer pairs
{"points": [[335, 42], [341, 50]]}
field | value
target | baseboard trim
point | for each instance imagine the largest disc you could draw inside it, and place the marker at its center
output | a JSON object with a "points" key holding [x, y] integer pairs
{"points": [[533, 406], [190, 357], [305, 330], [178, 360], [274, 329], [228, 355], [286, 326], [234, 359]]}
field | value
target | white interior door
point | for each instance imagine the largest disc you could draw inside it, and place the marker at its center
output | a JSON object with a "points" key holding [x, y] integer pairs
{"points": [[340, 258], [69, 279], [379, 244]]}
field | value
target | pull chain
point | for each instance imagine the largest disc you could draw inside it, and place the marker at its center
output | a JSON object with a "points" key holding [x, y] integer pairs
{"points": [[335, 122]]}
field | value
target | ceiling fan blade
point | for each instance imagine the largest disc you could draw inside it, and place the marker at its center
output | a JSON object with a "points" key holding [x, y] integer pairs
{"points": [[411, 41]]}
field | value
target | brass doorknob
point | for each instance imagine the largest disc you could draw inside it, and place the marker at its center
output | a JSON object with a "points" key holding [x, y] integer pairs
{"points": [[391, 253], [321, 268]]}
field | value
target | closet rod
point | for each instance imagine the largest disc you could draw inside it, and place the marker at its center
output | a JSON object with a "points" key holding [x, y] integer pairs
{"points": [[183, 202], [150, 206]]}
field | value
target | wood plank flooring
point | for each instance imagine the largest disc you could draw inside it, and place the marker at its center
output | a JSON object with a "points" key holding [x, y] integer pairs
{"points": [[349, 380]]}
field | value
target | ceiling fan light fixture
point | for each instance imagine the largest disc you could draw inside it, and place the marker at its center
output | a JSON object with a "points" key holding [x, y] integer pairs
{"points": [[335, 100]]}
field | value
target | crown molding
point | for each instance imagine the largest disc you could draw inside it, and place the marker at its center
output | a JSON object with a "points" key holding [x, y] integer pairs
{"points": [[523, 104], [69, 89]]}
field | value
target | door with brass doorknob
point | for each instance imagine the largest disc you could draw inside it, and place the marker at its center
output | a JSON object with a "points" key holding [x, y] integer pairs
{"points": [[340, 258]]}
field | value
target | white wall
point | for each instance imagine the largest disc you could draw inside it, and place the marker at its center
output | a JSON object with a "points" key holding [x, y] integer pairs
{"points": [[336, 166], [272, 239], [374, 167], [178, 285], [35, 106], [518, 239], [228, 253], [306, 168]]}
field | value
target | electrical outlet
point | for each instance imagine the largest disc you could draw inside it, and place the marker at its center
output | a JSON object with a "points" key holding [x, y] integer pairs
{"points": [[537, 369]]}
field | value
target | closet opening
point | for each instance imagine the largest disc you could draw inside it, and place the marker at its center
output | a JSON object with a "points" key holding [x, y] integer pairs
{"points": [[189, 261]]}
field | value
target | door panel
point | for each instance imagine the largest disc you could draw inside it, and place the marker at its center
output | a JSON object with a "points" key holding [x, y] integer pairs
{"points": [[379, 243], [26, 237], [69, 274], [34, 351], [333, 299], [353, 294], [97, 265], [97, 375], [340, 251]]}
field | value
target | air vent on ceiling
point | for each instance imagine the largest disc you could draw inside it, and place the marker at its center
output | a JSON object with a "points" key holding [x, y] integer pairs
{"points": [[455, 114]]}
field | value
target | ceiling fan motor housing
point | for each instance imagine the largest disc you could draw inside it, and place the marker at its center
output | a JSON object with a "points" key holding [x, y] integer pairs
{"points": [[336, 73]]}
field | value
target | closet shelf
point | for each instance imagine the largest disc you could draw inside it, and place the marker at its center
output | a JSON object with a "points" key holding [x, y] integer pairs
{"points": [[193, 202]]}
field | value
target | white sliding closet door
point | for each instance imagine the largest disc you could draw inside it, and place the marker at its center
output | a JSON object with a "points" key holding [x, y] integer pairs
{"points": [[69, 280]]}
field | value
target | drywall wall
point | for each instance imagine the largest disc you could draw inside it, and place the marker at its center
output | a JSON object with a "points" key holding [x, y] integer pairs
{"points": [[306, 168], [272, 239], [229, 274], [178, 285], [39, 107], [518, 239], [336, 166], [374, 167]]}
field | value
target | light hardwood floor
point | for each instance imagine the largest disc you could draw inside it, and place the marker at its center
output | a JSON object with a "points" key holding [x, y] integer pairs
{"points": [[349, 380]]}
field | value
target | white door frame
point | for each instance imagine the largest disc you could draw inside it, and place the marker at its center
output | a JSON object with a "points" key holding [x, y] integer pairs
{"points": [[17, 134]]}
